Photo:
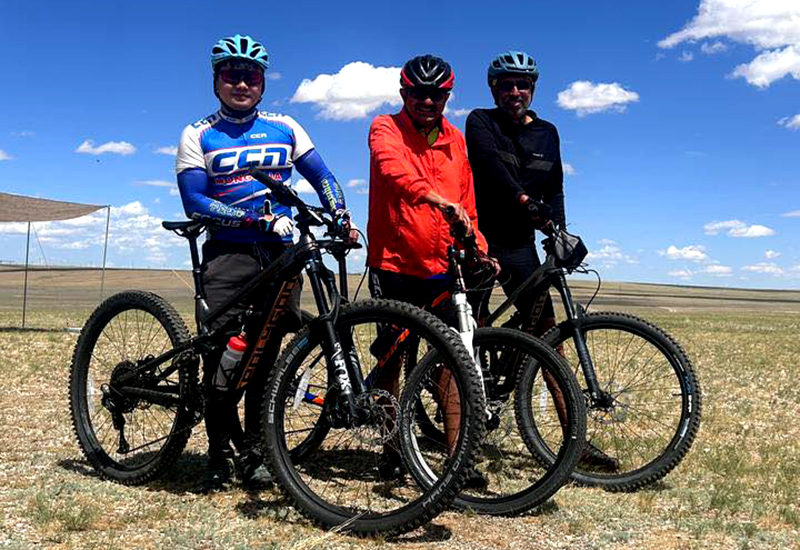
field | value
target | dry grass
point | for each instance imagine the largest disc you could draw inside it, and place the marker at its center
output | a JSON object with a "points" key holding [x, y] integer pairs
{"points": [[737, 488]]}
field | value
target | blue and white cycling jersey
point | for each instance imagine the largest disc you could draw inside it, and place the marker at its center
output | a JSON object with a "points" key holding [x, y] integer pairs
{"points": [[215, 154]]}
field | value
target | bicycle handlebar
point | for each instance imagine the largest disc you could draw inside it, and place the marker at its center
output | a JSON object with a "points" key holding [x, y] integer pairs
{"points": [[310, 215]]}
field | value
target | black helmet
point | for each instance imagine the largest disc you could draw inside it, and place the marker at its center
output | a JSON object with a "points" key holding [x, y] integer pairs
{"points": [[427, 70]]}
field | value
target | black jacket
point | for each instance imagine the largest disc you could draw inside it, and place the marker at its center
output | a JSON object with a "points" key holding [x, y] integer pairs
{"points": [[508, 160]]}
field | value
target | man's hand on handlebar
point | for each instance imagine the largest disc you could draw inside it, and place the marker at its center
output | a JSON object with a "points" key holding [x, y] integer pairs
{"points": [[541, 214], [345, 227], [488, 265], [458, 218], [281, 225]]}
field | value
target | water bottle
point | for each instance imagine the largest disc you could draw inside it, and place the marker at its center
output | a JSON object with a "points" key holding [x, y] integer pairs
{"points": [[228, 363]]}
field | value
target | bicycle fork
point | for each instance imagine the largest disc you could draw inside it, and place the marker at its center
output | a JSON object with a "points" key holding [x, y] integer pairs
{"points": [[342, 369], [575, 315]]}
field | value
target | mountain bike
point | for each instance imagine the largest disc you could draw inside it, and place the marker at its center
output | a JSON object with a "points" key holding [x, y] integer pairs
{"points": [[522, 377], [135, 395], [642, 394]]}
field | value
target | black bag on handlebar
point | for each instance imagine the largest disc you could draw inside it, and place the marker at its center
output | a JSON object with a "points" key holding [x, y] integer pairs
{"points": [[568, 249]]}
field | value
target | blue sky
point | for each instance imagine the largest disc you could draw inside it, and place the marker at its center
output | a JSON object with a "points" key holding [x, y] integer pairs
{"points": [[677, 119]]}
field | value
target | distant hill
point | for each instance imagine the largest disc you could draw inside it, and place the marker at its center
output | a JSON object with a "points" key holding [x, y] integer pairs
{"points": [[72, 288]]}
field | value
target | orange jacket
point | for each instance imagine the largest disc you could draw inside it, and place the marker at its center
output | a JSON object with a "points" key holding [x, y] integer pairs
{"points": [[406, 234]]}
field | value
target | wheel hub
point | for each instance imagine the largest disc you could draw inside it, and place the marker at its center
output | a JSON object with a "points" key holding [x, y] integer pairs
{"points": [[379, 410], [115, 401]]}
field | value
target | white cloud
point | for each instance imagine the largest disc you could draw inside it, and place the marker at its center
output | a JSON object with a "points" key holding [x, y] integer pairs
{"points": [[790, 122], [171, 185], [360, 186], [23, 133], [718, 270], [354, 92], [303, 187], [168, 150], [753, 231], [133, 232], [273, 75], [14, 228], [569, 170], [609, 255], [770, 66], [5, 156], [587, 97], [694, 253], [681, 274], [115, 147], [767, 268], [712, 49], [686, 57], [770, 26], [771, 254], [737, 228], [792, 214], [459, 112]]}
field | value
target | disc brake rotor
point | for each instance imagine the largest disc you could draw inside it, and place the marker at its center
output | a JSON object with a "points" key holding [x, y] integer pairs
{"points": [[380, 409]]}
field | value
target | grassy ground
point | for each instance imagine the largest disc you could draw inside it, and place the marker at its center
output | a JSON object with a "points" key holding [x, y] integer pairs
{"points": [[737, 488]]}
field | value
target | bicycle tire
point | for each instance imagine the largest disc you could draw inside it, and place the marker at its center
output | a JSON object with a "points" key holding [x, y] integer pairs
{"points": [[516, 482], [124, 329], [629, 352], [327, 485]]}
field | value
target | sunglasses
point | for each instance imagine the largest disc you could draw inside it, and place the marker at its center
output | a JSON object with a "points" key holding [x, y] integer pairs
{"points": [[521, 85], [234, 76], [421, 94]]}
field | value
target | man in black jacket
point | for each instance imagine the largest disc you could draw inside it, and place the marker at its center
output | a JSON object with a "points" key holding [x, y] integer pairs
{"points": [[516, 158]]}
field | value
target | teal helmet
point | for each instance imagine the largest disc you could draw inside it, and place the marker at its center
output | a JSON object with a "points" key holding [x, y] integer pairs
{"points": [[513, 62], [239, 47]]}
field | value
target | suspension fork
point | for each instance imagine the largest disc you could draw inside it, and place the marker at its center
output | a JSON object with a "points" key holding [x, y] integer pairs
{"points": [[466, 321], [344, 410], [575, 314]]}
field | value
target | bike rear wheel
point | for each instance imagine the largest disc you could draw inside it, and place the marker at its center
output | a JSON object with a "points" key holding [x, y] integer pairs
{"points": [[338, 482], [127, 435], [651, 415], [512, 362]]}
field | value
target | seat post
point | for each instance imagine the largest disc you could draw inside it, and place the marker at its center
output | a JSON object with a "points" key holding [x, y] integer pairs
{"points": [[200, 304]]}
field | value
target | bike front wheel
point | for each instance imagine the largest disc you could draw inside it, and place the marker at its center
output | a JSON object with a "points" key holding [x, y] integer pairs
{"points": [[131, 423], [648, 413], [353, 479], [507, 480]]}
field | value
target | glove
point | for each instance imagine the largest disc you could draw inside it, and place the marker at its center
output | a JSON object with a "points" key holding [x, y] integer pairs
{"points": [[345, 227], [342, 219], [281, 225], [539, 212]]}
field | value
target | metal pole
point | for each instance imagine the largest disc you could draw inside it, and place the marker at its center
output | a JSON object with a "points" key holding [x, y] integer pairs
{"points": [[105, 252], [25, 287]]}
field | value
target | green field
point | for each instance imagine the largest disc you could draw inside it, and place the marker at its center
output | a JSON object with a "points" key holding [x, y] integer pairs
{"points": [[737, 488]]}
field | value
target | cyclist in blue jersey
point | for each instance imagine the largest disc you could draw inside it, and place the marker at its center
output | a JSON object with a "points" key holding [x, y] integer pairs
{"points": [[249, 232]]}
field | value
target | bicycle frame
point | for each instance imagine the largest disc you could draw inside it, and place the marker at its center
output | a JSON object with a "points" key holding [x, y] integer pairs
{"points": [[550, 275], [279, 275]]}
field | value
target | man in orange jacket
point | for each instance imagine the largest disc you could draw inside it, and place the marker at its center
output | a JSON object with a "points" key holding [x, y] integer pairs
{"points": [[418, 170]]}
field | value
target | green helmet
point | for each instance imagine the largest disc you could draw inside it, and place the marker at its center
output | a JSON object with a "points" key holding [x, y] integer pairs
{"points": [[239, 47], [513, 62]]}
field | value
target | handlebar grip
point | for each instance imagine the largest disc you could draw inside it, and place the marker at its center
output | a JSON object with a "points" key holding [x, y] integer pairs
{"points": [[457, 228]]}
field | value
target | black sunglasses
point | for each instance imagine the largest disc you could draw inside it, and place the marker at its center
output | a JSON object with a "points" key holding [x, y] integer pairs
{"points": [[521, 85], [421, 94]]}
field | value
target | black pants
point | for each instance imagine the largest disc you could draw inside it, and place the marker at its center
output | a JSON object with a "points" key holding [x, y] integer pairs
{"points": [[228, 267], [516, 265], [419, 292]]}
